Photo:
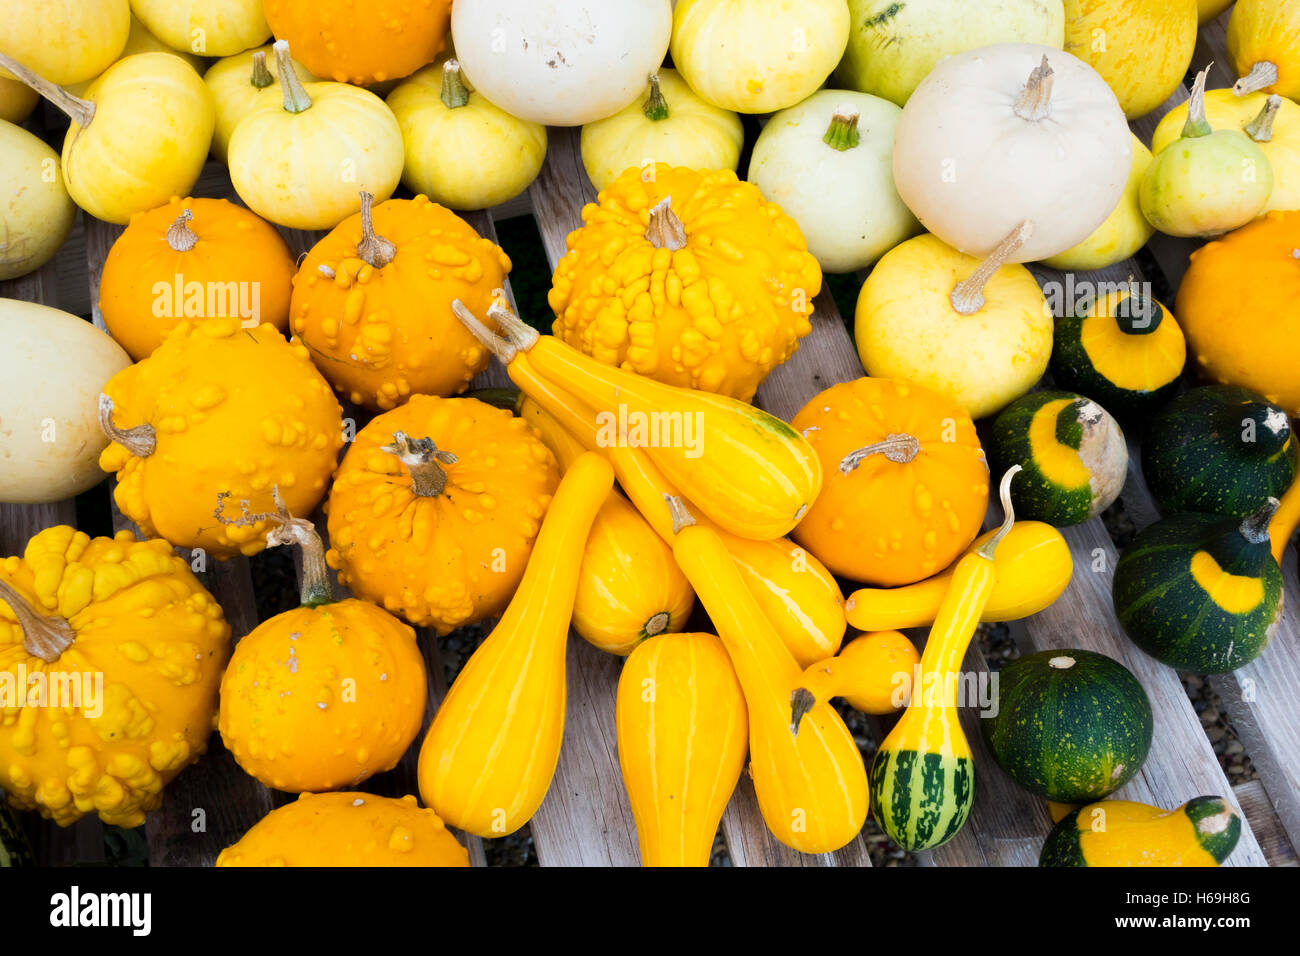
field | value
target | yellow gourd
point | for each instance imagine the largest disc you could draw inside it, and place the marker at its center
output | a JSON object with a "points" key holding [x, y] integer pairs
{"points": [[489, 757], [65, 41], [1264, 47], [629, 586], [240, 83], [140, 40], [683, 734], [1032, 567], [1285, 521], [205, 27], [17, 99], [1202, 832], [873, 673], [1207, 10], [36, 212]]}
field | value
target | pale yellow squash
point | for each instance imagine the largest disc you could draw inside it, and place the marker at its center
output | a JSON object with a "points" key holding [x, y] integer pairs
{"points": [[36, 212], [240, 83], [65, 41], [1124, 232], [140, 40], [205, 27], [17, 99]]}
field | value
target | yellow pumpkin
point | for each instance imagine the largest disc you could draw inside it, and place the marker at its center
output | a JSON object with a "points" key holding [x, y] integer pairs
{"points": [[873, 673], [140, 40], [683, 735], [125, 625], [193, 259], [240, 83], [347, 829], [671, 126], [218, 408], [435, 507], [17, 99], [490, 754], [303, 162], [324, 695], [205, 27], [65, 41], [461, 150], [1264, 47], [372, 301]]}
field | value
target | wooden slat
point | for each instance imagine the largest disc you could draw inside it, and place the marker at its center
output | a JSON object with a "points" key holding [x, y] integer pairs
{"points": [[1254, 802]]}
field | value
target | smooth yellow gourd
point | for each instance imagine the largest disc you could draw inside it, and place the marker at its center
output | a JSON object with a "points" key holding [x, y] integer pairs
{"points": [[1264, 46], [873, 673], [205, 27], [490, 754], [1033, 568], [17, 99], [241, 82], [36, 213], [1207, 10], [65, 41], [1124, 232], [1202, 832], [140, 40], [683, 733]]}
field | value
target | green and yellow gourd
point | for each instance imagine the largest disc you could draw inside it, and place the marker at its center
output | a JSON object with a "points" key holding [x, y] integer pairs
{"points": [[1202, 832], [1199, 592], [923, 778]]}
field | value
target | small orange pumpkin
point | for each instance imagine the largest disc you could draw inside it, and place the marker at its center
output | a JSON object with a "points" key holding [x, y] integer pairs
{"points": [[906, 484], [193, 259], [372, 301]]}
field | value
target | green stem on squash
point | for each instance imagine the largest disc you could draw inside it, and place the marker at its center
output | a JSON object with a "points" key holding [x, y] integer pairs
{"points": [[968, 296], [1261, 76], [1255, 526], [1035, 100], [78, 110], [44, 636], [842, 134], [374, 249], [261, 77], [1261, 128], [424, 460], [900, 449], [140, 441], [315, 587], [180, 237], [296, 99], [665, 230], [455, 93], [682, 518], [655, 107], [1197, 125], [1008, 514]]}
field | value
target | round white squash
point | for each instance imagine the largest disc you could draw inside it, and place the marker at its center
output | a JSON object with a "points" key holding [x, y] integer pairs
{"points": [[828, 163], [1008, 133], [560, 62], [36, 212], [52, 369]]}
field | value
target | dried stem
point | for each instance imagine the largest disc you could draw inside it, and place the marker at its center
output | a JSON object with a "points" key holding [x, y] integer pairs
{"points": [[1255, 527], [494, 343], [1035, 101], [78, 110], [900, 449], [424, 460], [180, 237], [1261, 128], [666, 230], [296, 99], [315, 586], [682, 518], [1261, 76], [968, 296], [1008, 511], [44, 636], [1197, 124], [374, 249], [140, 441]]}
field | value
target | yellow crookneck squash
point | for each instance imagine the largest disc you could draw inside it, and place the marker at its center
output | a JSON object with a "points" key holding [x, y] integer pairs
{"points": [[435, 508], [811, 785], [238, 84], [126, 628], [629, 586], [689, 277], [872, 673], [683, 733], [193, 259], [490, 754], [923, 775], [218, 408], [324, 695], [347, 829], [372, 301], [1202, 832]]}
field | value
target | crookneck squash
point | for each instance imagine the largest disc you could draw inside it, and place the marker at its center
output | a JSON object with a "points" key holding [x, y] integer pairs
{"points": [[873, 673], [324, 695], [1071, 725], [435, 507], [906, 482], [489, 757], [1124, 351], [347, 829], [1199, 592], [1073, 453], [923, 776], [193, 259], [683, 734], [689, 277], [1219, 450], [238, 84], [1202, 832], [110, 656]]}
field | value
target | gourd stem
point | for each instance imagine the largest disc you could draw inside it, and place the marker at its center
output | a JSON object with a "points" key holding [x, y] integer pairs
{"points": [[43, 636], [296, 99], [665, 230], [968, 296], [900, 449], [1255, 527], [1035, 101], [315, 586], [1261, 128], [521, 335], [658, 624], [843, 134], [180, 237], [139, 441], [1197, 125], [801, 701], [261, 77], [1008, 511], [374, 249], [682, 518], [655, 107], [503, 350], [1261, 76], [1138, 319], [78, 110], [424, 460], [455, 93]]}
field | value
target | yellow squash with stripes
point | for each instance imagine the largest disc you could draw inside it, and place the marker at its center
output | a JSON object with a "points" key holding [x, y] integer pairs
{"points": [[490, 754], [1202, 832]]}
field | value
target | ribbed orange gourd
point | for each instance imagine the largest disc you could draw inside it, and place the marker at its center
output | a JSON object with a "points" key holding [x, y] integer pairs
{"points": [[218, 408], [689, 277], [193, 259], [324, 695], [124, 628], [372, 301], [682, 738], [435, 507], [490, 754]]}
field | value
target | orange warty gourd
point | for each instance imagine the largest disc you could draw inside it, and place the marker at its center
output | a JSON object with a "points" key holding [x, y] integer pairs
{"points": [[193, 259], [690, 277], [347, 829], [435, 508], [218, 408], [1237, 308], [129, 612], [382, 40], [372, 301], [906, 481], [324, 695], [683, 734]]}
